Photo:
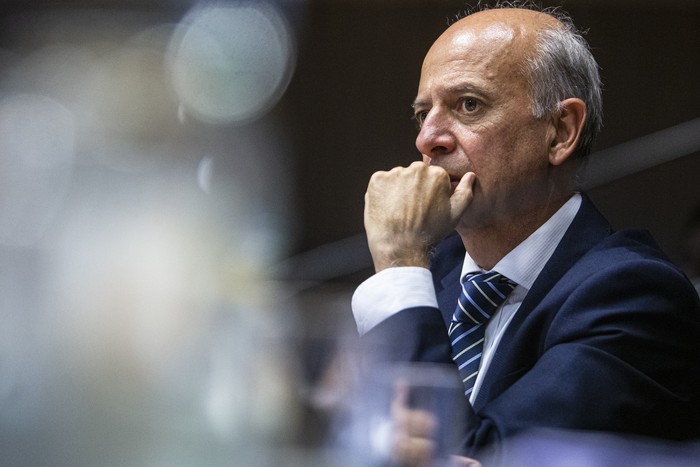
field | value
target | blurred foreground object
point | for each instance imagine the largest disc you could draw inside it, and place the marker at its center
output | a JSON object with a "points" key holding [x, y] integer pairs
{"points": [[135, 241]]}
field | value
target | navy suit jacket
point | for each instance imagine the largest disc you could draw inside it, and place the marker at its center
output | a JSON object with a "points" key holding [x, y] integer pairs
{"points": [[607, 339]]}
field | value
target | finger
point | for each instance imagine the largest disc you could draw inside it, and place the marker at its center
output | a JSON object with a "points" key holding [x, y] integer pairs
{"points": [[413, 451], [462, 196], [399, 403], [412, 422], [460, 461], [420, 423]]}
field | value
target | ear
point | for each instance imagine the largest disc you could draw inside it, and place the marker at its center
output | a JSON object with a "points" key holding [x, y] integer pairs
{"points": [[567, 125]]}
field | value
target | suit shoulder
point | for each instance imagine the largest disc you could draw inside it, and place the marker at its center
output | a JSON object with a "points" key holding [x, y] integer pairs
{"points": [[628, 248], [629, 265]]}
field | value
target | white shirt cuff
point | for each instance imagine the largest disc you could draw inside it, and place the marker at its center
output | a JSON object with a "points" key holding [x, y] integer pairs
{"points": [[390, 291]]}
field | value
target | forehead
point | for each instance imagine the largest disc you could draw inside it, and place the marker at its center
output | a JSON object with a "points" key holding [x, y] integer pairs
{"points": [[490, 48]]}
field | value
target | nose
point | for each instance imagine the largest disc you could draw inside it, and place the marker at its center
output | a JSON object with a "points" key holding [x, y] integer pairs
{"points": [[435, 137]]}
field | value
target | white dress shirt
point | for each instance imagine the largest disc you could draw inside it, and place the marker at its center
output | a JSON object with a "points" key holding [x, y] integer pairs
{"points": [[394, 289]]}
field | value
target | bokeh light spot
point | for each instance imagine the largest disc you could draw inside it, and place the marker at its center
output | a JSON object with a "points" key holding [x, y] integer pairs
{"points": [[231, 63]]}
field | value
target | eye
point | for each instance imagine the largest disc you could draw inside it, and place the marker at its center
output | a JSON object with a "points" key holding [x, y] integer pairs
{"points": [[469, 104], [420, 116]]}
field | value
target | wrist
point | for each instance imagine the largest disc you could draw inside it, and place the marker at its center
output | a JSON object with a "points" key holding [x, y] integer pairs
{"points": [[394, 258]]}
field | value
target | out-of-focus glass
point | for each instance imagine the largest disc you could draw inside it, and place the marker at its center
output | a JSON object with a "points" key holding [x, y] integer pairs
{"points": [[140, 325]]}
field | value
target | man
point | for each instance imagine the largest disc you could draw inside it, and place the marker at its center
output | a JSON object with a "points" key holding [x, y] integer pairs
{"points": [[597, 330]]}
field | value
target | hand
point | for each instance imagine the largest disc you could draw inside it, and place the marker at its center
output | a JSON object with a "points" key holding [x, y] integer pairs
{"points": [[414, 434], [410, 209], [413, 442]]}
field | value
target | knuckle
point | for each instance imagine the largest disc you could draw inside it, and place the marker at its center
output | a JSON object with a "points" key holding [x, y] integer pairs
{"points": [[437, 171], [440, 169], [377, 178]]}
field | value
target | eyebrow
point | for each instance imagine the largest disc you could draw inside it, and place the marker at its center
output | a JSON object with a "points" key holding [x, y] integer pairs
{"points": [[452, 90], [419, 103]]}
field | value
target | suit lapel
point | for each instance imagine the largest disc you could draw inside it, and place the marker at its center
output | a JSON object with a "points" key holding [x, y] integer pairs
{"points": [[448, 260], [447, 297], [587, 229]]}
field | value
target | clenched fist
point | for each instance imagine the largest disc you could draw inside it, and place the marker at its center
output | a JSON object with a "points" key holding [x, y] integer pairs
{"points": [[409, 209]]}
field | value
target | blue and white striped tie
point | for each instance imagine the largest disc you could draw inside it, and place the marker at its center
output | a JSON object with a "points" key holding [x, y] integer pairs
{"points": [[481, 295]]}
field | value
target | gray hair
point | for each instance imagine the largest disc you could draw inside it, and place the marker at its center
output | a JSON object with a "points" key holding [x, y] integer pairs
{"points": [[563, 67]]}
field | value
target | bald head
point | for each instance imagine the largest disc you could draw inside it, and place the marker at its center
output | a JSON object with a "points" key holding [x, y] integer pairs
{"points": [[504, 38], [515, 17], [514, 27]]}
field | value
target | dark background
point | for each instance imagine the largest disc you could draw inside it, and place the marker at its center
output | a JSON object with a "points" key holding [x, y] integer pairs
{"points": [[358, 67], [346, 112]]}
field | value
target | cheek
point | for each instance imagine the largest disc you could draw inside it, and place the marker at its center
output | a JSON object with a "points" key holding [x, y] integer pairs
{"points": [[485, 153], [524, 145], [500, 160]]}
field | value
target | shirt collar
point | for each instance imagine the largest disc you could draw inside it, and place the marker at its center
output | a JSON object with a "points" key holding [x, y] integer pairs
{"points": [[525, 262]]}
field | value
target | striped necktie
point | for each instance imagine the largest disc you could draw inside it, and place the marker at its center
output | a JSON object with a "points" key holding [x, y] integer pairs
{"points": [[481, 295]]}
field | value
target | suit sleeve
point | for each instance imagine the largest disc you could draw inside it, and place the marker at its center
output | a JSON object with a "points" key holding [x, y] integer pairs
{"points": [[412, 335]]}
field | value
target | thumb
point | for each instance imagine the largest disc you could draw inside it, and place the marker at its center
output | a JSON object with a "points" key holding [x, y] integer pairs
{"points": [[400, 399], [462, 196], [459, 461]]}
